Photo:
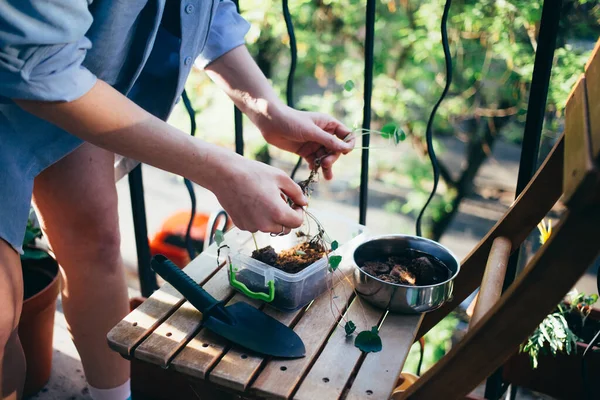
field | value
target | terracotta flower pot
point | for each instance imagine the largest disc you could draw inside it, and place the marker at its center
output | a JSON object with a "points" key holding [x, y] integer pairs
{"points": [[36, 326]]}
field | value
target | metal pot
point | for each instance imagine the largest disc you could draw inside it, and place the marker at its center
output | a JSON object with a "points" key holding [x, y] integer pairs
{"points": [[397, 297]]}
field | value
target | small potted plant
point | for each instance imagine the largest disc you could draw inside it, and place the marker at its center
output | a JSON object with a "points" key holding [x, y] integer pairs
{"points": [[551, 360], [36, 326]]}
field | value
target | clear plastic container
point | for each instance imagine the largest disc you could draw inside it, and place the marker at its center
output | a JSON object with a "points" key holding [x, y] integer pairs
{"points": [[282, 290]]}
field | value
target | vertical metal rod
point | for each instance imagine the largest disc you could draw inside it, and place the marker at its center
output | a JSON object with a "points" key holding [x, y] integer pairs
{"points": [[146, 275], [368, 91], [238, 117], [289, 90], [239, 130], [536, 110]]}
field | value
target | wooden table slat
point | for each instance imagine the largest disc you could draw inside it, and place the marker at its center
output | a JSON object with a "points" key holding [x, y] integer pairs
{"points": [[151, 313], [280, 377], [332, 370], [204, 350], [379, 373], [162, 344], [237, 368]]}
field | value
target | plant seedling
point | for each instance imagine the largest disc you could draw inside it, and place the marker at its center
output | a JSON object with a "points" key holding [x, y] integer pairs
{"points": [[369, 341]]}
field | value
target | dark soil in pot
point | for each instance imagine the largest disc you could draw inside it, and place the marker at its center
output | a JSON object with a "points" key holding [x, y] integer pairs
{"points": [[292, 260], [410, 267]]}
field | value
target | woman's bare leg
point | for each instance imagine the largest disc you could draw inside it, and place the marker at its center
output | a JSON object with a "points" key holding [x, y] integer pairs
{"points": [[12, 359], [76, 200]]}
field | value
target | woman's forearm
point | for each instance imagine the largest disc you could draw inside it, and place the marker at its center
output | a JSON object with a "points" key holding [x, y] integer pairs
{"points": [[237, 74], [108, 119]]}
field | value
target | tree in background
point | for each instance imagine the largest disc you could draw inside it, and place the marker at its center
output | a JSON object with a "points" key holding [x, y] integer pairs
{"points": [[493, 46]]}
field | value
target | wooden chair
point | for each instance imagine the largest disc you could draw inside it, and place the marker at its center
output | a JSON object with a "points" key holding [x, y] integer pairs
{"points": [[501, 322]]}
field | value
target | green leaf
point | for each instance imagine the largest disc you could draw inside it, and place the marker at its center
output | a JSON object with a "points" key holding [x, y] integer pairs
{"points": [[348, 86], [399, 135], [300, 253], [34, 254], [334, 245], [31, 234], [350, 327], [369, 341], [334, 262], [388, 130], [219, 237]]}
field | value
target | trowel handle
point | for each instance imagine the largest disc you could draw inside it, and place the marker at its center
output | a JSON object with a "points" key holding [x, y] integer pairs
{"points": [[193, 292]]}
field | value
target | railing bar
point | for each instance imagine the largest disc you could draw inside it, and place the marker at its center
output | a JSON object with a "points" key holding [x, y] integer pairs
{"points": [[239, 130], [368, 91], [146, 275], [237, 116], [289, 90]]}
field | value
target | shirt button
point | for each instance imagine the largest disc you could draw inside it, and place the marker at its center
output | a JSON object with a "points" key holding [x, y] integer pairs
{"points": [[189, 8], [187, 61]]}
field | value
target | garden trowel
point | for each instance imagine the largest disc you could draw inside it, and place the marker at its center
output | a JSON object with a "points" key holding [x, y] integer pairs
{"points": [[240, 323]]}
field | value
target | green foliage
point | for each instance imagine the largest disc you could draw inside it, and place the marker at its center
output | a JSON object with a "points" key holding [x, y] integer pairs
{"points": [[30, 251], [554, 332], [437, 344], [493, 48], [369, 341], [334, 245]]}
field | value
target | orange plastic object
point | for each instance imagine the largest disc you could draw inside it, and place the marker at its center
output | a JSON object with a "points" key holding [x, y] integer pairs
{"points": [[170, 239]]}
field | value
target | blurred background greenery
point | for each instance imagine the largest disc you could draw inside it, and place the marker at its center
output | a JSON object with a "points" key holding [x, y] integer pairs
{"points": [[493, 45]]}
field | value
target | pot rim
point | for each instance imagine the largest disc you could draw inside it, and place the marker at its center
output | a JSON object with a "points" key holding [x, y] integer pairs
{"points": [[51, 285], [400, 235]]}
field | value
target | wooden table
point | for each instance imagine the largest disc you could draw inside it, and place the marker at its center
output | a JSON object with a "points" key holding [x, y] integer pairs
{"points": [[166, 331]]}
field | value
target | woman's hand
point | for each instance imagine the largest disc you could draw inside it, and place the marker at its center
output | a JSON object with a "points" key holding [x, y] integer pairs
{"points": [[311, 135], [252, 194]]}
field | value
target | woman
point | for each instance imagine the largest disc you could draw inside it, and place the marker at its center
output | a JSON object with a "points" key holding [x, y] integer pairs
{"points": [[82, 80]]}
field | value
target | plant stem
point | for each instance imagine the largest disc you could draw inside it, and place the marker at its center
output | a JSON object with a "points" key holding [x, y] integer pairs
{"points": [[255, 243]]}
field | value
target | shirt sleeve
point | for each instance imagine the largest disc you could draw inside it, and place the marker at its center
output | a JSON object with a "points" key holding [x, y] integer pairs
{"points": [[42, 47], [227, 32]]}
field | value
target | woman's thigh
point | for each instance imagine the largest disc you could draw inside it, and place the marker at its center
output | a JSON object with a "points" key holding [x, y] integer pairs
{"points": [[11, 291], [77, 203]]}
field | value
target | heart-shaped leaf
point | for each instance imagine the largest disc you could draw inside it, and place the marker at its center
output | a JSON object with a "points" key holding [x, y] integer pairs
{"points": [[219, 237], [388, 130], [348, 86], [334, 262], [369, 341], [334, 245], [350, 327]]}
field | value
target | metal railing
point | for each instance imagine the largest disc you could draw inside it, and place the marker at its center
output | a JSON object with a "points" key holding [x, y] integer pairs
{"points": [[529, 150]]}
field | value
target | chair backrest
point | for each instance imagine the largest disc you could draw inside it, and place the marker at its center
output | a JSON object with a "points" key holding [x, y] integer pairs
{"points": [[502, 322]]}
